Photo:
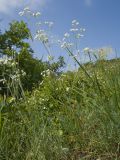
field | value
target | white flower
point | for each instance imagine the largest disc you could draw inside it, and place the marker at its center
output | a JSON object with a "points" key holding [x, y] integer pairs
{"points": [[21, 13], [50, 58], [23, 73], [13, 64], [66, 35], [67, 89], [42, 36], [86, 50], [74, 21], [38, 14], [46, 22], [26, 8], [66, 45], [63, 39], [2, 80], [73, 29], [63, 45], [79, 35], [65, 149], [77, 23], [82, 29]]}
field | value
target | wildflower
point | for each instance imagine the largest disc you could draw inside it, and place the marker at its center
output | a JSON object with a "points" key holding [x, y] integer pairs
{"points": [[26, 8], [48, 72], [67, 89], [82, 29], [73, 29], [46, 22], [42, 36], [23, 73], [74, 21], [63, 45], [60, 132], [65, 149], [21, 13], [86, 50], [66, 45], [2, 80], [50, 58], [13, 64], [79, 35], [36, 14], [66, 35], [77, 23]]}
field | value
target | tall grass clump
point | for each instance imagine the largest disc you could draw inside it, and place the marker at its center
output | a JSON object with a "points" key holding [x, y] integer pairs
{"points": [[71, 116]]}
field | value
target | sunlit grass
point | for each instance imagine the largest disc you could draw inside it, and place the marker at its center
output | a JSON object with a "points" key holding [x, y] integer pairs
{"points": [[67, 117]]}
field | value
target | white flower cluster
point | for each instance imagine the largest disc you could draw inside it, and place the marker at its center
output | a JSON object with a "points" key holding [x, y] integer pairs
{"points": [[27, 11], [66, 45], [42, 32], [66, 35], [42, 36], [23, 73], [49, 24], [3, 80], [47, 73], [50, 58], [7, 62], [86, 50], [75, 31], [17, 74], [10, 69], [15, 77]]}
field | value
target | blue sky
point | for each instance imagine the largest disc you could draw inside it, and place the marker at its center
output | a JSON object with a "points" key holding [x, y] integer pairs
{"points": [[100, 18]]}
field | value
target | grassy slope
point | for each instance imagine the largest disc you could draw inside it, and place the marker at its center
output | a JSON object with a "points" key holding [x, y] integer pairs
{"points": [[75, 116]]}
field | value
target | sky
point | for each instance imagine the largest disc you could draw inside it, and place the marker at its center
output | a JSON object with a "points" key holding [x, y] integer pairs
{"points": [[100, 18]]}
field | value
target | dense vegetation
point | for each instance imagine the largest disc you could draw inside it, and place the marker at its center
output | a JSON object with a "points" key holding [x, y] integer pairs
{"points": [[46, 114], [17, 52]]}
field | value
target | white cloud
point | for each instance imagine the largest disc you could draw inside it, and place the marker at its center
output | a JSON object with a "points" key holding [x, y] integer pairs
{"points": [[7, 7], [88, 3]]}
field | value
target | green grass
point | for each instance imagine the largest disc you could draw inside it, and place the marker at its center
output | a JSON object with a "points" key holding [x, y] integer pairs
{"points": [[71, 117]]}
